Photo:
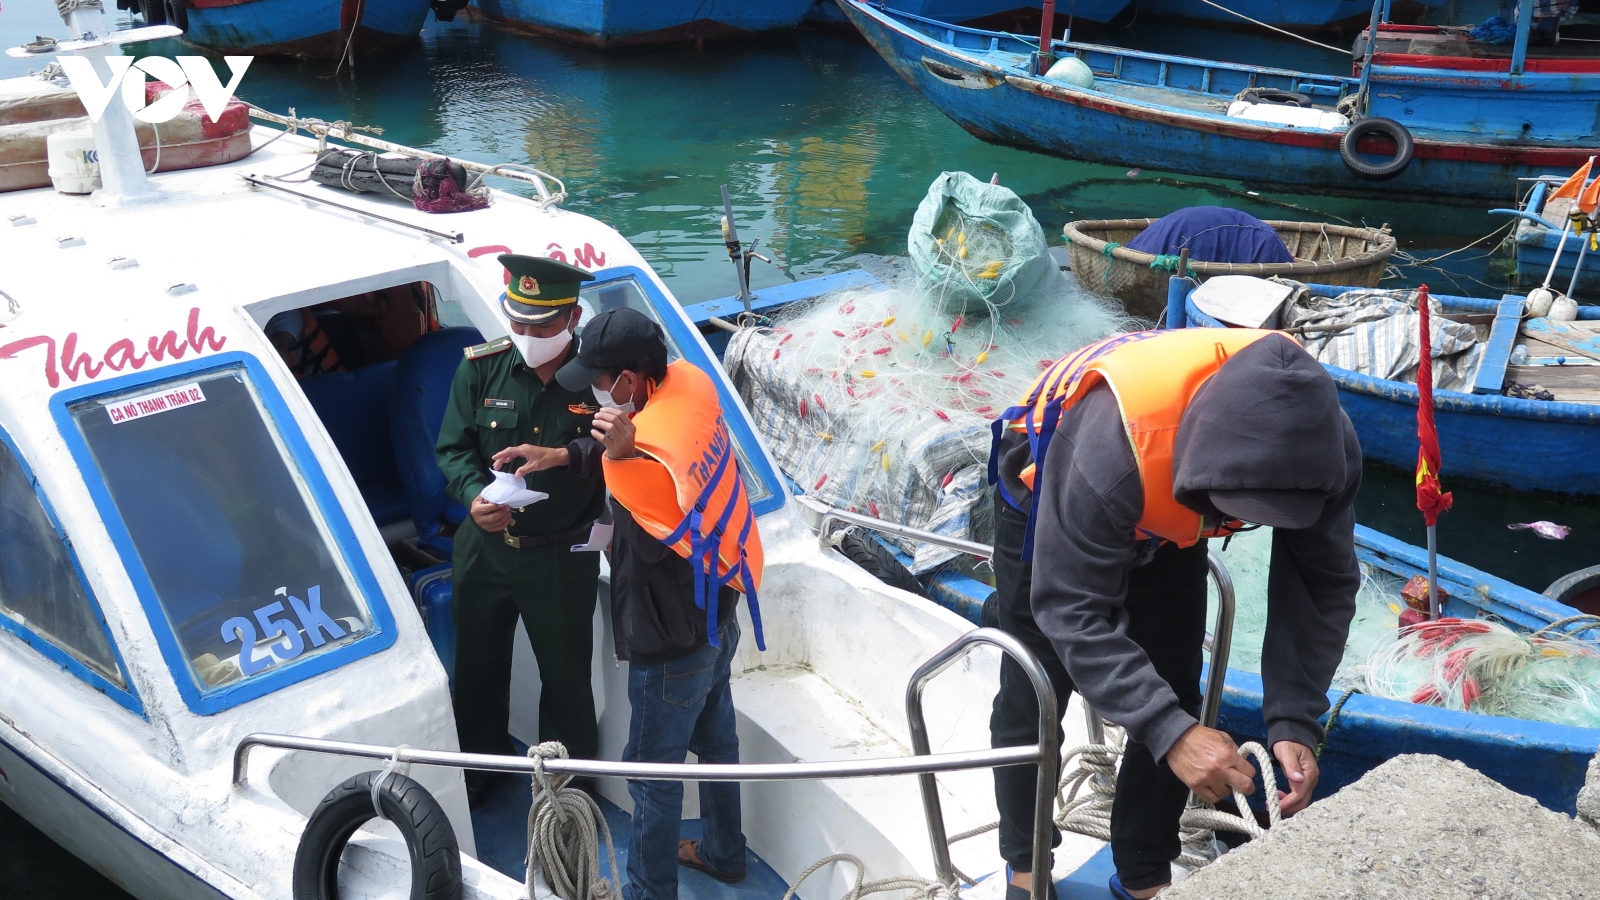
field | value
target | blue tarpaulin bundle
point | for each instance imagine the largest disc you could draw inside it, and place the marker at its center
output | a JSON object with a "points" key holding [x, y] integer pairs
{"points": [[1213, 234]]}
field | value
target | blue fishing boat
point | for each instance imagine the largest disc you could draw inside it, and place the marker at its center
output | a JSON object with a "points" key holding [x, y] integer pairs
{"points": [[1297, 15], [1540, 233], [1431, 126], [629, 23], [1489, 439], [988, 13], [323, 29]]}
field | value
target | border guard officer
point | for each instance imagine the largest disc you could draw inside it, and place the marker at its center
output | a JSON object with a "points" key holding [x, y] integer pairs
{"points": [[505, 406]]}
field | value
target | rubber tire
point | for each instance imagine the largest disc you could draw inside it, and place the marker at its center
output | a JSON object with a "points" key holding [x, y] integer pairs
{"points": [[1276, 97], [1573, 583], [153, 11], [178, 13], [879, 561], [429, 837], [1396, 132]]}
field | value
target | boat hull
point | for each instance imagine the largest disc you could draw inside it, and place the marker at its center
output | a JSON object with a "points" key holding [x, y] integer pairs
{"points": [[304, 29], [1002, 107], [630, 23], [1297, 15]]}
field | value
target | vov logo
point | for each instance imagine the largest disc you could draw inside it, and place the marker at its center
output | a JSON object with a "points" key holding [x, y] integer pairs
{"points": [[193, 71]]}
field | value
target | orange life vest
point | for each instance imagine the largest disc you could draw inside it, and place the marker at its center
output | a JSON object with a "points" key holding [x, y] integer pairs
{"points": [[1154, 375], [686, 491]]}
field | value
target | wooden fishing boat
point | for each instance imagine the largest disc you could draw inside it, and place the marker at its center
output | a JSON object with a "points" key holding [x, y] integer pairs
{"points": [[1541, 239], [1303, 16], [1173, 113], [1327, 254], [630, 23], [1016, 15], [1549, 447], [319, 30]]}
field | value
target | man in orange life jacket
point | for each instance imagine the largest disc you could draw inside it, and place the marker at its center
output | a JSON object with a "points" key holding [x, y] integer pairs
{"points": [[1109, 476], [684, 548]]}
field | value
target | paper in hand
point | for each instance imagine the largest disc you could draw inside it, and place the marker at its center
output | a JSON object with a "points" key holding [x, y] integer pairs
{"points": [[509, 490], [599, 539]]}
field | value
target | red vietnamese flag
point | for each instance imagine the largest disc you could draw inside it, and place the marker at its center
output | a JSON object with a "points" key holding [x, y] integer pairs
{"points": [[1430, 499]]}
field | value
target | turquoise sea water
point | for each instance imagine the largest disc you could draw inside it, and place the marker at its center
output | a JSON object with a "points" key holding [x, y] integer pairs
{"points": [[826, 154]]}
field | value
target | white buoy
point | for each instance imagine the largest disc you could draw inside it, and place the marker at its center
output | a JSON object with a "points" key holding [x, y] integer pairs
{"points": [[1072, 70], [1539, 300], [1563, 309], [74, 166]]}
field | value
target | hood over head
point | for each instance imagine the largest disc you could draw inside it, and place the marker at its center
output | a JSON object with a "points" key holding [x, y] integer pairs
{"points": [[1263, 440]]}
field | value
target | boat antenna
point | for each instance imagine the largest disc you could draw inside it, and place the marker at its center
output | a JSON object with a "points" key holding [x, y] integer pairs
{"points": [[739, 254], [122, 173]]}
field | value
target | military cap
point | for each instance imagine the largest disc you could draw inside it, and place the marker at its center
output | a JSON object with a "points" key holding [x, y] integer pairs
{"points": [[539, 289]]}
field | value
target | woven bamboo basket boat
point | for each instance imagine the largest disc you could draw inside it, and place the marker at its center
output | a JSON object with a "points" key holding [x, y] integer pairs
{"points": [[1324, 254]]}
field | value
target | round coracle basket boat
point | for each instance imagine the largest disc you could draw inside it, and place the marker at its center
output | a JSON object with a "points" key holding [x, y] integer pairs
{"points": [[1324, 254]]}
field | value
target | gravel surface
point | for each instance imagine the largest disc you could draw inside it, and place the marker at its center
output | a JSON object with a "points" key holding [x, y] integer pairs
{"points": [[1415, 827]]}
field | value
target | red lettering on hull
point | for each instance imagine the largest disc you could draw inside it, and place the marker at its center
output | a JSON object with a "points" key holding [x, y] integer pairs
{"points": [[121, 354]]}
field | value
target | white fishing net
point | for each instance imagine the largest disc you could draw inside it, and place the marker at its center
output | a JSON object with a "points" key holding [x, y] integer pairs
{"points": [[879, 399]]}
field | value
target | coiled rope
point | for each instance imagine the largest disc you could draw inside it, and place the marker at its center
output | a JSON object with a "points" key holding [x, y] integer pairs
{"points": [[920, 888], [564, 830]]}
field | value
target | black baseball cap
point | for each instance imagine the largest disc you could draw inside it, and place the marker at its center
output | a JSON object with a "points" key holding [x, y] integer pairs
{"points": [[616, 337]]}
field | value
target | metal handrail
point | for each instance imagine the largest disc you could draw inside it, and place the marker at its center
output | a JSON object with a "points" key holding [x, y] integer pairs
{"points": [[488, 762], [1046, 754], [832, 514]]}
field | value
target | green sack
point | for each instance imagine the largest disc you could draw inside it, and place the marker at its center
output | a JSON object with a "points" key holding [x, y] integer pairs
{"points": [[974, 244]]}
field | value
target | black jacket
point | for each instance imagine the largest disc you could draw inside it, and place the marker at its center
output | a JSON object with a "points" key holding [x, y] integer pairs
{"points": [[653, 615], [1243, 431]]}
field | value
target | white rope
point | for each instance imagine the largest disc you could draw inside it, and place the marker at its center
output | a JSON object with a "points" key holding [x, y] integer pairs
{"points": [[157, 164], [564, 831], [65, 7], [920, 888], [1297, 37], [394, 765]]}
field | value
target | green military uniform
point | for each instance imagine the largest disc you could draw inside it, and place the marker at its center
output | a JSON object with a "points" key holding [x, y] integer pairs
{"points": [[496, 401]]}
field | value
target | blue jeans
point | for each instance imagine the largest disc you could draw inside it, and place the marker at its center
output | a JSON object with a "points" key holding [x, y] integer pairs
{"points": [[681, 706]]}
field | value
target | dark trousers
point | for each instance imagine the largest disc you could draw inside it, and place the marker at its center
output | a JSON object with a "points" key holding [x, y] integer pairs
{"points": [[1166, 607], [552, 590]]}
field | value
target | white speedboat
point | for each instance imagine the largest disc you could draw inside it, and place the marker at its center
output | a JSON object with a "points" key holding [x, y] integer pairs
{"points": [[197, 546]]}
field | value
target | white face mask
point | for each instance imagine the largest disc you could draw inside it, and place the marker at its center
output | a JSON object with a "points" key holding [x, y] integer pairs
{"points": [[536, 351], [604, 399]]}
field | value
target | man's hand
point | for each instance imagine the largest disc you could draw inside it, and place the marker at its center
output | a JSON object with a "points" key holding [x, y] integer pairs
{"points": [[535, 458], [1208, 761], [490, 516], [1300, 764], [615, 430]]}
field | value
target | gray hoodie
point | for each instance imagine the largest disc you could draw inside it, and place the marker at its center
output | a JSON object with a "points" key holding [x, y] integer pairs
{"points": [[1269, 419]]}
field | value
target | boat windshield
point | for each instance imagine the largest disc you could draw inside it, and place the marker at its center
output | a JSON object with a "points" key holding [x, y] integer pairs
{"points": [[238, 557], [626, 291]]}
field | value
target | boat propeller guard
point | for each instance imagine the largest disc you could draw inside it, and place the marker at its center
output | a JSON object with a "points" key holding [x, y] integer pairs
{"points": [[430, 839], [1376, 126]]}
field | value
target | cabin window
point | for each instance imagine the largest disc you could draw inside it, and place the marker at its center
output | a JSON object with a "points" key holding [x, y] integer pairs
{"points": [[626, 291], [242, 563], [41, 588]]}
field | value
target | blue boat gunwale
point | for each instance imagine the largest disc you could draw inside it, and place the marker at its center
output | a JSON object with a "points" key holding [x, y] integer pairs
{"points": [[1453, 401]]}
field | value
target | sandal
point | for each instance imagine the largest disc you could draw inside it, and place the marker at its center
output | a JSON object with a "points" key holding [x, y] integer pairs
{"points": [[688, 855]]}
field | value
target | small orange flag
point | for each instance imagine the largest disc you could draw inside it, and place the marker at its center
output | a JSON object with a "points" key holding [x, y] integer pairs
{"points": [[1573, 186], [1589, 200]]}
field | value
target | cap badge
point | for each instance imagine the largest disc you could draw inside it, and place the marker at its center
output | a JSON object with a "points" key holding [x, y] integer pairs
{"points": [[528, 286]]}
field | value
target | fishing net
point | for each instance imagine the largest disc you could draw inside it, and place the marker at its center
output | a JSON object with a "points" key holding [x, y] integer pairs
{"points": [[1474, 665], [879, 399], [977, 246]]}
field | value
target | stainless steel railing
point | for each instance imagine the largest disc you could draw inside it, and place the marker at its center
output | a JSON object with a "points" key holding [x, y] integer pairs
{"points": [[1045, 754]]}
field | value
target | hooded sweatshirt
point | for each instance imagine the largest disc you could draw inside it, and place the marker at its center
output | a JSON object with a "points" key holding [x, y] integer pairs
{"points": [[1268, 420]]}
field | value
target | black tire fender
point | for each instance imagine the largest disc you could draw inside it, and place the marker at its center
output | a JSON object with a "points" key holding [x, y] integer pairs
{"points": [[1376, 126], [1275, 96], [154, 12], [863, 550], [430, 839], [178, 13]]}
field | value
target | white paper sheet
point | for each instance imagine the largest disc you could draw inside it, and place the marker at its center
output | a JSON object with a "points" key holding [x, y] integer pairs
{"points": [[1242, 300], [509, 490], [599, 539]]}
